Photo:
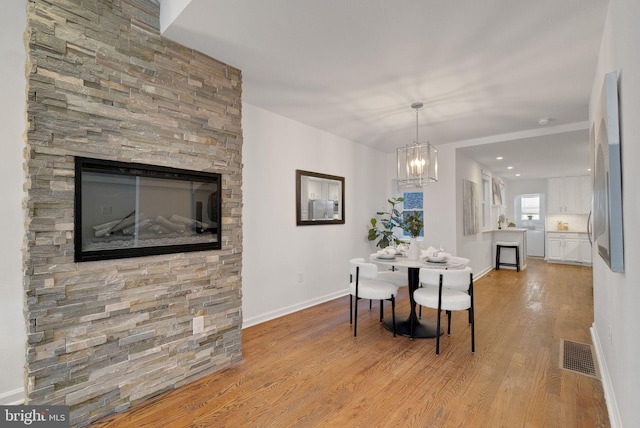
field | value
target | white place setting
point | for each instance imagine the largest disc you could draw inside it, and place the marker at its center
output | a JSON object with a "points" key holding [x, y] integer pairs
{"points": [[429, 258]]}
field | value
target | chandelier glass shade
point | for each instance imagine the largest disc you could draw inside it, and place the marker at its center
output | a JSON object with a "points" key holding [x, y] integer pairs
{"points": [[417, 164]]}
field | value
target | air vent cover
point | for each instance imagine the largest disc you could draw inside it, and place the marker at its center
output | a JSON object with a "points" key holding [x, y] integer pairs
{"points": [[578, 358]]}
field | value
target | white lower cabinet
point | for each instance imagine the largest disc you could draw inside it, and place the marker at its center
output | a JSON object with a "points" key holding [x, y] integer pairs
{"points": [[555, 248], [585, 251], [572, 250], [568, 248]]}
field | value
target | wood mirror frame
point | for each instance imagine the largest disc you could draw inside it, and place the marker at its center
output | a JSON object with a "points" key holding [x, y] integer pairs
{"points": [[319, 198]]}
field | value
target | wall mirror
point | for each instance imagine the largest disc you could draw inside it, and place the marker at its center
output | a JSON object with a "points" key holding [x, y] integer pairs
{"points": [[319, 198]]}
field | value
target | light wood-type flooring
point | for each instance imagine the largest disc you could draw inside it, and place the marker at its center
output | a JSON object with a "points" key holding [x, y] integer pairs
{"points": [[307, 370]]}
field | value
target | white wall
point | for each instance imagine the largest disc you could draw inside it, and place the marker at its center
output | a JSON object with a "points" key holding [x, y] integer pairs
{"points": [[477, 248], [617, 295], [13, 125], [275, 250], [439, 202], [522, 187]]}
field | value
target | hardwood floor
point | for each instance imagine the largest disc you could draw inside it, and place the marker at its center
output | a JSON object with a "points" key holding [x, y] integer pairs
{"points": [[307, 369]]}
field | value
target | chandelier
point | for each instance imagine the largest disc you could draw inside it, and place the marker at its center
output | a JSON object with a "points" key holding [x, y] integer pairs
{"points": [[417, 164]]}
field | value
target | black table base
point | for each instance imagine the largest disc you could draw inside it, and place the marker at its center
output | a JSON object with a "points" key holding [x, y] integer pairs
{"points": [[421, 329]]}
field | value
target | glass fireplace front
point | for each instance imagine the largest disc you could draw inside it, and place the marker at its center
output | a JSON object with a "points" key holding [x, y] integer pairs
{"points": [[132, 210]]}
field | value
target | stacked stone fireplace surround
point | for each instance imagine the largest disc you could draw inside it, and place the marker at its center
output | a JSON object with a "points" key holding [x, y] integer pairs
{"points": [[103, 83]]}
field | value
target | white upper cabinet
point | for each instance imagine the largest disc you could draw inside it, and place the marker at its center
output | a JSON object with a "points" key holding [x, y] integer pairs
{"points": [[572, 195], [569, 195], [555, 195]]}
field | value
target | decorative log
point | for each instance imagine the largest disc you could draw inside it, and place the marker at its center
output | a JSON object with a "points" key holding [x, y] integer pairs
{"points": [[169, 225], [140, 226], [107, 229], [127, 221], [188, 222], [106, 225], [159, 230], [103, 232]]}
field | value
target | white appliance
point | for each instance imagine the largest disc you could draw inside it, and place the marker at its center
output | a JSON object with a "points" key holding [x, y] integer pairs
{"points": [[321, 209], [535, 242]]}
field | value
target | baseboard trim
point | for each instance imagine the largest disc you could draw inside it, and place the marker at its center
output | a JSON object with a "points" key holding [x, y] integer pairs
{"points": [[248, 322], [477, 276], [291, 309], [609, 396], [12, 398]]}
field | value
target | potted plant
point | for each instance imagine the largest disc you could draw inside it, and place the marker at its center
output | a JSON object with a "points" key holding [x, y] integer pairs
{"points": [[381, 227], [413, 225]]}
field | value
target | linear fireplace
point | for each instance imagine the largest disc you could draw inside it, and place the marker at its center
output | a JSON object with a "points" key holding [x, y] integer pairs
{"points": [[132, 210]]}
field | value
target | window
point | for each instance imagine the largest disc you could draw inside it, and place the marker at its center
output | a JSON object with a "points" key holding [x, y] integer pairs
{"points": [[413, 201], [530, 207], [486, 201]]}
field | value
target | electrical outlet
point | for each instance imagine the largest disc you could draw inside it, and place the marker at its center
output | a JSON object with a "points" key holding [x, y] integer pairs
{"points": [[198, 325], [300, 277]]}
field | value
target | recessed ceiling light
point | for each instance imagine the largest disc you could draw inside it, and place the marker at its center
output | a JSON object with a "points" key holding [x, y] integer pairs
{"points": [[509, 167], [543, 121], [517, 175], [499, 158], [588, 169]]}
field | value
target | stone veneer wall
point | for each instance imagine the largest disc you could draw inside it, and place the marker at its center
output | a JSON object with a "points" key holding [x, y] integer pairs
{"points": [[103, 83]]}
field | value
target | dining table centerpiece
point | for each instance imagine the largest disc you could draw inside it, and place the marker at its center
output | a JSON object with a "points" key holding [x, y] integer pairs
{"points": [[412, 223], [382, 226]]}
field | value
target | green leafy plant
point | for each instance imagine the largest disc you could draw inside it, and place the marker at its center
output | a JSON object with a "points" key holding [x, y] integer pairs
{"points": [[413, 224], [381, 226]]}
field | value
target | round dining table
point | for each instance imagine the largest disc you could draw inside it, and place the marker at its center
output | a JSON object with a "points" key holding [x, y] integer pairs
{"points": [[421, 328]]}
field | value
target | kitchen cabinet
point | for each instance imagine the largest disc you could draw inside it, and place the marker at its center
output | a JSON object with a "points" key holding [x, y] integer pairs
{"points": [[585, 251], [568, 248], [572, 250], [569, 195], [555, 248], [317, 189], [555, 195]]}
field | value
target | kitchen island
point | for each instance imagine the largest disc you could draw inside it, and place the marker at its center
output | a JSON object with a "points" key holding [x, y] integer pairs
{"points": [[511, 234]]}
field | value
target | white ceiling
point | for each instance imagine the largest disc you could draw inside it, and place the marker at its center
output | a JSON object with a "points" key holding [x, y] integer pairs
{"points": [[483, 69]]}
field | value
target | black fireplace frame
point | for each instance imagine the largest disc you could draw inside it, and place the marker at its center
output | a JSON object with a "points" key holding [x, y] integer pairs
{"points": [[145, 171]]}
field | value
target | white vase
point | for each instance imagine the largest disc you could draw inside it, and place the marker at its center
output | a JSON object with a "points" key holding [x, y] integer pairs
{"points": [[414, 249]]}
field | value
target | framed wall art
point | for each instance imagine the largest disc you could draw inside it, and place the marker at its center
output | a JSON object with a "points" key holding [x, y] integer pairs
{"points": [[471, 224], [607, 187]]}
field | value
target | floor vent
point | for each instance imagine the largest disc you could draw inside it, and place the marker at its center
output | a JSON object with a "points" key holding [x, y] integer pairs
{"points": [[578, 358]]}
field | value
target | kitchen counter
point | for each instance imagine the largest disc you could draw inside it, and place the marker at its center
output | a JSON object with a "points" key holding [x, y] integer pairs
{"points": [[569, 246], [513, 234]]}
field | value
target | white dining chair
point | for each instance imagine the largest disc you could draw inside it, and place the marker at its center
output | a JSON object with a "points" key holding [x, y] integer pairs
{"points": [[364, 284], [448, 290], [394, 276]]}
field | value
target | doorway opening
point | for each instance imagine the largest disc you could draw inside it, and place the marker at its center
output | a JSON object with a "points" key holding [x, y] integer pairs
{"points": [[530, 215]]}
